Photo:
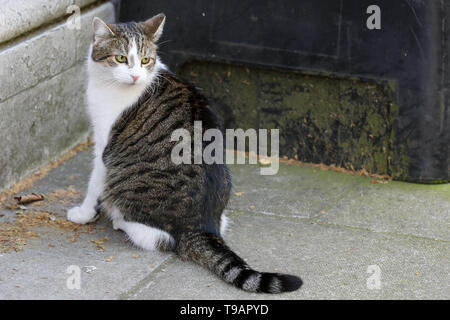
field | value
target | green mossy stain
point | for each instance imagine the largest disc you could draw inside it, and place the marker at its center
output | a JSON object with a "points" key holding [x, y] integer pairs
{"points": [[322, 119]]}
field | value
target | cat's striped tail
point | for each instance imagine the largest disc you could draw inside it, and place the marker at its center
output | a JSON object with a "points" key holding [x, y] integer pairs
{"points": [[210, 251]]}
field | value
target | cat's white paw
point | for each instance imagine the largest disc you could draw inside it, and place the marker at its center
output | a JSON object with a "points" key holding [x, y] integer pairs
{"points": [[80, 215]]}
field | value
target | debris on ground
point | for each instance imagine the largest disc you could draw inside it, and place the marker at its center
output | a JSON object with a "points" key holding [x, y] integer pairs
{"points": [[28, 181], [89, 269], [62, 196], [374, 181], [15, 235], [332, 167], [100, 243], [28, 198]]}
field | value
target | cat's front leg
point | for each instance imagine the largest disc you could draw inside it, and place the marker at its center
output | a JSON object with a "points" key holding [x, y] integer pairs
{"points": [[86, 212]]}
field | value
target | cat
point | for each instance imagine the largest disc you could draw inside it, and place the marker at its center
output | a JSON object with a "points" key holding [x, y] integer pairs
{"points": [[135, 103]]}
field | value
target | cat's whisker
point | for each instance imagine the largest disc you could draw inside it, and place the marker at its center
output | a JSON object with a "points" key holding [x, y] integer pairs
{"points": [[164, 42]]}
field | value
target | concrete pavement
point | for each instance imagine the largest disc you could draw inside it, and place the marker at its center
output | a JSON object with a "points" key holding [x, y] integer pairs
{"points": [[340, 233]]}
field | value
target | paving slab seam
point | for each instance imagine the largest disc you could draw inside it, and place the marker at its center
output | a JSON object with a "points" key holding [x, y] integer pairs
{"points": [[137, 288], [270, 214], [311, 220]]}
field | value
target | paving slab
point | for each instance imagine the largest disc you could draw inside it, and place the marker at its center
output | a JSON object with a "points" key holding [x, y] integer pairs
{"points": [[40, 270], [397, 207], [288, 193], [303, 221], [332, 261]]}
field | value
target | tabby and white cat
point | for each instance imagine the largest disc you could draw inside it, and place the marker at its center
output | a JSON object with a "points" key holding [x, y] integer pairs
{"points": [[135, 104]]}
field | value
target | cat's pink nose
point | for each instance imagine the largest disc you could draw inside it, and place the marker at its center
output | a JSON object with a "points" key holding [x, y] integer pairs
{"points": [[135, 78]]}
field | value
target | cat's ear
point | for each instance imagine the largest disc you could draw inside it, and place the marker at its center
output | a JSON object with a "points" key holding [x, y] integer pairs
{"points": [[153, 27], [101, 30]]}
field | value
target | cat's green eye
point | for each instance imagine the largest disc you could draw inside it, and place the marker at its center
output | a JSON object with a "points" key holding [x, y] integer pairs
{"points": [[121, 59], [145, 60]]}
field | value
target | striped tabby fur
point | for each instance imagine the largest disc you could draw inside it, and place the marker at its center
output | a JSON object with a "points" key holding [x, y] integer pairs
{"points": [[144, 186]]}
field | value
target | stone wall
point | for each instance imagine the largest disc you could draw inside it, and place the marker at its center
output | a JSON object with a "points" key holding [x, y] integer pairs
{"points": [[42, 77]]}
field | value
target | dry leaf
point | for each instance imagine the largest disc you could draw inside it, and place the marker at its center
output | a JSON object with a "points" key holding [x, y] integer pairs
{"points": [[29, 198], [238, 194]]}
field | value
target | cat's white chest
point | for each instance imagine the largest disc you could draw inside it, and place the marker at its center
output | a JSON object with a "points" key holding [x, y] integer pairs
{"points": [[107, 99], [105, 105]]}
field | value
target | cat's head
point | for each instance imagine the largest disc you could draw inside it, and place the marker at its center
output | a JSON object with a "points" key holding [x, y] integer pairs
{"points": [[125, 53]]}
